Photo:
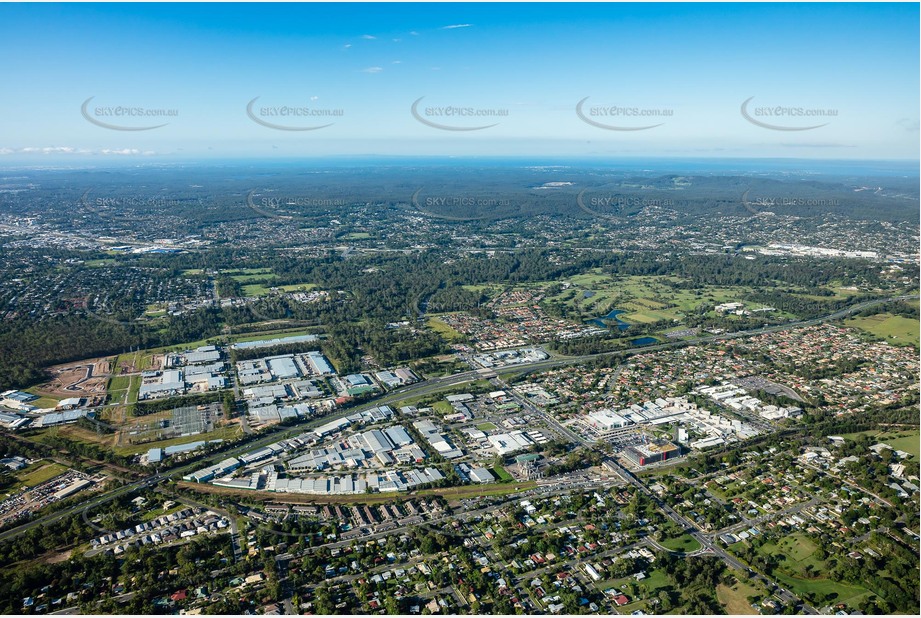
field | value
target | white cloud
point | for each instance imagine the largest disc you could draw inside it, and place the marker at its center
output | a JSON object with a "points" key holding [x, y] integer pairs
{"points": [[368, 37], [347, 45], [372, 70], [53, 150], [121, 152], [453, 26], [70, 150]]}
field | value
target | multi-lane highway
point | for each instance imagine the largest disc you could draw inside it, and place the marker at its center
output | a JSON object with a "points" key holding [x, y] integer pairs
{"points": [[432, 385]]}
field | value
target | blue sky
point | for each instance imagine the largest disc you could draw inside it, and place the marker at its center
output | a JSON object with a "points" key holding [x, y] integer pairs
{"points": [[686, 68]]}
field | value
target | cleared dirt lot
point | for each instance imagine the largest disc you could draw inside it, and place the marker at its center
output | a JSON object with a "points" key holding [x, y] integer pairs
{"points": [[86, 378]]}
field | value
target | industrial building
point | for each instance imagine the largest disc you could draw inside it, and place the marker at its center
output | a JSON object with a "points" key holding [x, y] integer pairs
{"points": [[212, 472], [369, 449], [198, 356], [356, 384], [437, 440], [156, 455], [319, 364], [62, 418], [69, 490], [70, 403], [506, 443], [388, 379], [331, 427], [156, 384], [283, 367], [13, 421], [390, 480], [17, 400]]}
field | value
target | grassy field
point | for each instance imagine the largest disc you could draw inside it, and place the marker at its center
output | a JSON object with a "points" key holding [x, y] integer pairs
{"points": [[656, 580], [357, 236], [237, 273], [685, 543], [645, 299], [99, 263], [486, 426], [274, 334], [119, 383], [798, 552], [298, 287], [39, 472], [134, 391], [845, 593], [131, 362], [472, 491], [113, 415], [78, 434], [155, 310], [186, 346], [908, 441], [735, 598], [649, 587], [799, 549], [264, 334], [44, 401], [837, 294], [158, 511], [895, 329], [490, 290], [803, 548], [502, 474], [255, 289], [447, 333]]}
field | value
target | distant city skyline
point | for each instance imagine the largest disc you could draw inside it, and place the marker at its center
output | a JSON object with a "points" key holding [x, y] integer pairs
{"points": [[803, 81]]}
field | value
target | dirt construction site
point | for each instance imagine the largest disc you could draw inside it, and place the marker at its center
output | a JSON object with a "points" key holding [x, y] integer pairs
{"points": [[85, 378]]}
